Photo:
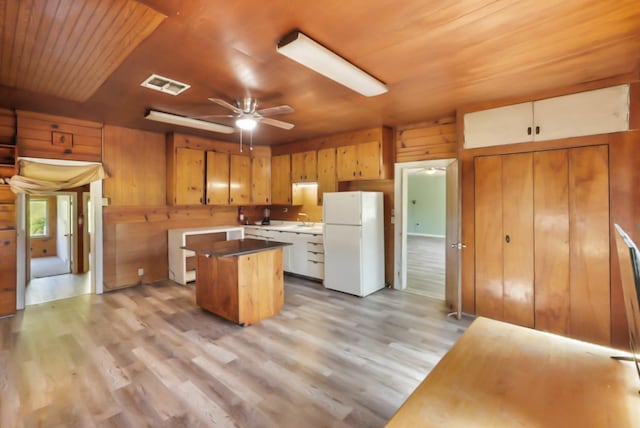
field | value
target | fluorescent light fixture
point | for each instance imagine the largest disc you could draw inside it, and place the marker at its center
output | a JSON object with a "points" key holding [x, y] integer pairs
{"points": [[313, 55], [246, 123], [173, 119]]}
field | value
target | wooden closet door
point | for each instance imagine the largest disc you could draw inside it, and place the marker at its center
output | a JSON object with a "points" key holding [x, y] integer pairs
{"points": [[589, 244], [488, 237], [551, 229], [517, 239]]}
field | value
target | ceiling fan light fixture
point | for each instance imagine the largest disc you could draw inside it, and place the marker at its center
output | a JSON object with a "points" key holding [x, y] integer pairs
{"points": [[188, 122], [313, 55], [246, 123]]}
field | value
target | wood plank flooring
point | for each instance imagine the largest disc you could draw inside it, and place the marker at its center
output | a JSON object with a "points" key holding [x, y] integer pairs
{"points": [[147, 356], [425, 266]]}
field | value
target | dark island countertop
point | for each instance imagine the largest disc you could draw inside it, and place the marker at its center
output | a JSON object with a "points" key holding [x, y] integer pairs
{"points": [[234, 247]]}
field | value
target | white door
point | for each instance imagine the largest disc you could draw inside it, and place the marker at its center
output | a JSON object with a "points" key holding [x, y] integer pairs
{"points": [[453, 248], [342, 258], [64, 230]]}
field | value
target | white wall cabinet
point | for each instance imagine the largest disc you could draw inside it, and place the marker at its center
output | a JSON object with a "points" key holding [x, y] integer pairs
{"points": [[600, 111]]}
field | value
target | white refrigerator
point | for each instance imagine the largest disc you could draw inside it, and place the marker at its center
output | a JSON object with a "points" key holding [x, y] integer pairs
{"points": [[353, 242]]}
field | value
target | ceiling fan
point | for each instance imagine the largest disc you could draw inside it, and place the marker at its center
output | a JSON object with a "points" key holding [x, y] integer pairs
{"points": [[247, 116]]}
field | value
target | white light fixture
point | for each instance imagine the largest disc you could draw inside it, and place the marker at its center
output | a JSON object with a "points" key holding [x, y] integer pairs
{"points": [[173, 119], [246, 123], [313, 55]]}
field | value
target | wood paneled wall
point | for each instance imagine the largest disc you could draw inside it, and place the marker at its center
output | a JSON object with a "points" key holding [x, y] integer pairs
{"points": [[54, 137], [427, 140], [137, 219], [7, 126], [624, 192]]}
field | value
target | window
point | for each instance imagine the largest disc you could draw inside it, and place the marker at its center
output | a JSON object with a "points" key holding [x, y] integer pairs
{"points": [[38, 218]]}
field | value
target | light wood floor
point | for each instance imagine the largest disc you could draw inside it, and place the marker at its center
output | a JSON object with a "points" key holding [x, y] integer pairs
{"points": [[146, 356], [425, 266], [51, 288], [48, 266]]}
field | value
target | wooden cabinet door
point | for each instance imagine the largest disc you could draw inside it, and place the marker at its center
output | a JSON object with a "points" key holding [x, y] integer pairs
{"points": [[488, 237], [261, 180], [240, 180], [347, 163], [281, 180], [217, 178], [551, 234], [517, 242], [7, 272], [304, 167], [368, 160], [327, 180], [190, 174], [589, 282]]}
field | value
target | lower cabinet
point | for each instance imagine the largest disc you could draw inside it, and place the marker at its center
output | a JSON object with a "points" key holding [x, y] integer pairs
{"points": [[304, 257], [542, 241], [7, 272]]}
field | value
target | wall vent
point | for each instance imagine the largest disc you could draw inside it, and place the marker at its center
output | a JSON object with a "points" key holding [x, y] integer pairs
{"points": [[164, 84]]}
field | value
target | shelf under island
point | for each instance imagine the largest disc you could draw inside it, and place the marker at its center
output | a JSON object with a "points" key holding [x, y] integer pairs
{"points": [[240, 280]]}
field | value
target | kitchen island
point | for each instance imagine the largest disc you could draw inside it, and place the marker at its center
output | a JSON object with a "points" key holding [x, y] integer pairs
{"points": [[240, 280]]}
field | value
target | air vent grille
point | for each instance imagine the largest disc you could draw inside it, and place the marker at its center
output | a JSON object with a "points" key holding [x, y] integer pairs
{"points": [[164, 84]]}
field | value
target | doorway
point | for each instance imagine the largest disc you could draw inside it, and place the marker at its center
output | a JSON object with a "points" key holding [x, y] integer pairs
{"points": [[426, 261], [94, 249]]}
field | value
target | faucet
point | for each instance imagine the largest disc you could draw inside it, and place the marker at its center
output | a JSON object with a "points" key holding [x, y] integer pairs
{"points": [[304, 223]]}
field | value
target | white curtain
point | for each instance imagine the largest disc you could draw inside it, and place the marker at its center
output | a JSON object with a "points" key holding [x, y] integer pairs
{"points": [[37, 177]]}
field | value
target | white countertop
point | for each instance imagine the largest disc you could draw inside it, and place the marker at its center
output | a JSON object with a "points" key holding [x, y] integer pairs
{"points": [[291, 226]]}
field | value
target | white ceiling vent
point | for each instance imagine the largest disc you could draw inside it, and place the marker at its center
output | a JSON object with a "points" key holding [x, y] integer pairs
{"points": [[164, 84]]}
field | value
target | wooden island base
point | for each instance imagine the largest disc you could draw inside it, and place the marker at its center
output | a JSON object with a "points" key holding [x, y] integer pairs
{"points": [[243, 288]]}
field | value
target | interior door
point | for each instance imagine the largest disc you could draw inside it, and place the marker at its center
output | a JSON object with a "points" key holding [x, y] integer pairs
{"points": [[64, 234], [453, 245]]}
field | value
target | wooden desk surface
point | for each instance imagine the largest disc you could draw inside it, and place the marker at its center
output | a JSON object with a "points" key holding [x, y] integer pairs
{"points": [[501, 375]]}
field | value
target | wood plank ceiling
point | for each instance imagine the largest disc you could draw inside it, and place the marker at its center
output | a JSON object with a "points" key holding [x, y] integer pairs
{"points": [[68, 49], [434, 55]]}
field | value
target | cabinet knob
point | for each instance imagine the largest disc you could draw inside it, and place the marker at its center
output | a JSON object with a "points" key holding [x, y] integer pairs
{"points": [[507, 239], [200, 200], [529, 130], [537, 130]]}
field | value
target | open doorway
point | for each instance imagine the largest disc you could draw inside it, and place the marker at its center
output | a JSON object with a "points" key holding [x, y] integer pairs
{"points": [[426, 215], [55, 256]]}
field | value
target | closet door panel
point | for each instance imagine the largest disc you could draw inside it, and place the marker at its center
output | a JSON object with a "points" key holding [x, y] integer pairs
{"points": [[589, 219], [517, 240], [488, 229], [551, 234]]}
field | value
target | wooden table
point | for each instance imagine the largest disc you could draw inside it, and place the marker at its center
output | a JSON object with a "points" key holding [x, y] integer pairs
{"points": [[501, 375], [240, 280]]}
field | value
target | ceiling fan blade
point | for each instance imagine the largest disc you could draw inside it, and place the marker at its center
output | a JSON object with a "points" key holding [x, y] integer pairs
{"points": [[225, 104], [206, 116], [277, 123], [273, 111]]}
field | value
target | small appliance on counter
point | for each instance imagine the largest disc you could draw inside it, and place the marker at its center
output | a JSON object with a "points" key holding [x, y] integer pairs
{"points": [[266, 219]]}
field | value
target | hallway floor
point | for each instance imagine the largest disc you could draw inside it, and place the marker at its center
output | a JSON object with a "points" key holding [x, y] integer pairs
{"points": [[425, 266]]}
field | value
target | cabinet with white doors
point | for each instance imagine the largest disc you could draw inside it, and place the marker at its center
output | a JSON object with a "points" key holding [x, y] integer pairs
{"points": [[306, 254], [600, 111], [182, 262]]}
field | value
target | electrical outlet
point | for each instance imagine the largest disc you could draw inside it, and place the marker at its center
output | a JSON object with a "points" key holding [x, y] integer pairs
{"points": [[140, 271]]}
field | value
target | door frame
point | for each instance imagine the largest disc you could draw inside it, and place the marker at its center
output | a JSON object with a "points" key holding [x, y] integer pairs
{"points": [[96, 241], [399, 216]]}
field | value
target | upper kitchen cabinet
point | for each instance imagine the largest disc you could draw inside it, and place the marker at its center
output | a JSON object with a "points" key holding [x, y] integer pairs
{"points": [[281, 180], [261, 180], [217, 178], [594, 112], [327, 178], [367, 160], [240, 180], [185, 171], [304, 167]]}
